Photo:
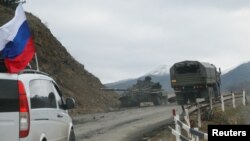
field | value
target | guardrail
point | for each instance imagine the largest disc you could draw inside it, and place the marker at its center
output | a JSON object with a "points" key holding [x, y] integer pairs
{"points": [[193, 133], [233, 96]]}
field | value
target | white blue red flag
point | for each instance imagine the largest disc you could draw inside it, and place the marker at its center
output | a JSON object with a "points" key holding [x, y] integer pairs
{"points": [[16, 45]]}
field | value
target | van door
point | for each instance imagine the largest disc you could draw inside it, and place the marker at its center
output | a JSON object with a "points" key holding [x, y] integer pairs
{"points": [[41, 123], [59, 115], [45, 116], [9, 109]]}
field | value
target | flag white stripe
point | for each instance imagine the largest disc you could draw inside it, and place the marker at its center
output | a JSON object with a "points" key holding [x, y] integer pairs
{"points": [[10, 29]]}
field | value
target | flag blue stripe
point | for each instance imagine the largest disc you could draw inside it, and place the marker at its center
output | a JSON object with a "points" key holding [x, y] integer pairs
{"points": [[16, 47]]}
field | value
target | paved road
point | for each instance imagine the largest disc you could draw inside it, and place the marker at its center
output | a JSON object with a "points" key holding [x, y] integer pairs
{"points": [[123, 125]]}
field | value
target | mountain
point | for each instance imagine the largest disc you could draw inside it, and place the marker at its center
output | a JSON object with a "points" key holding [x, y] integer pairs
{"points": [[160, 71], [123, 84], [71, 76], [160, 74], [235, 79]]}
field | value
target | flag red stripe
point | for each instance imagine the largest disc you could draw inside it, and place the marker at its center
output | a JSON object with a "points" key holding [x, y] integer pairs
{"points": [[18, 63]]}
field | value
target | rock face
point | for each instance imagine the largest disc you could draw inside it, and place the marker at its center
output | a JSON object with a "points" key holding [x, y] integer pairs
{"points": [[71, 76]]}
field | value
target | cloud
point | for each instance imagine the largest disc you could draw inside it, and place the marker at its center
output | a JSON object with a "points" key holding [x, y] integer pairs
{"points": [[117, 39]]}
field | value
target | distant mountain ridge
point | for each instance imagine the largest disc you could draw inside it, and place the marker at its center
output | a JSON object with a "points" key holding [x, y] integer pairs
{"points": [[235, 79], [158, 75], [162, 70]]}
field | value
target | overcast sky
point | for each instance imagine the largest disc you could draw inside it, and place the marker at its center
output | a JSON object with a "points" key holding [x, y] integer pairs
{"points": [[120, 39]]}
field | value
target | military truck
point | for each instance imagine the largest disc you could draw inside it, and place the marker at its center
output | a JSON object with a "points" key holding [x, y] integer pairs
{"points": [[193, 79]]}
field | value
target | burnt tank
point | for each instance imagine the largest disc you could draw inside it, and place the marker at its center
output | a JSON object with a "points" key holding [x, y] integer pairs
{"points": [[144, 91], [193, 79]]}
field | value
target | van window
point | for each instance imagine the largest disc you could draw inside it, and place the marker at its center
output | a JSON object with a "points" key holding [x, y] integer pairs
{"points": [[59, 98], [8, 96], [42, 94]]}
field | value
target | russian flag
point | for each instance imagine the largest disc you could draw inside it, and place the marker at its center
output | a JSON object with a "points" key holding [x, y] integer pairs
{"points": [[16, 45]]}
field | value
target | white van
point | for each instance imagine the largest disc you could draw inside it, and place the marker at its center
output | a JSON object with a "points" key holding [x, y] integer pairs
{"points": [[32, 108]]}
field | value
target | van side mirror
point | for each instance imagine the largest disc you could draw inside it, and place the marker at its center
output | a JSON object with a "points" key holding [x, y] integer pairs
{"points": [[70, 103]]}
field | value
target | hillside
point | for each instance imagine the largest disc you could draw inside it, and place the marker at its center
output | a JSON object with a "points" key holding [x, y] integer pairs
{"points": [[237, 79], [71, 76]]}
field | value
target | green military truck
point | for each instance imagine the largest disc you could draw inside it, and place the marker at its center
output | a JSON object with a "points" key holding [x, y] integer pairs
{"points": [[193, 79]]}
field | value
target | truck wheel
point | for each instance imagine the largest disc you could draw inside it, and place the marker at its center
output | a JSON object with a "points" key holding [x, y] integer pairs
{"points": [[72, 135]]}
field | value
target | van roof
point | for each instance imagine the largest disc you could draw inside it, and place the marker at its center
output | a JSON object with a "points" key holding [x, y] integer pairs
{"points": [[30, 71]]}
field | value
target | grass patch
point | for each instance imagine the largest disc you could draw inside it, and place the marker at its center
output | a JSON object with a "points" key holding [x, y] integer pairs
{"points": [[230, 116]]}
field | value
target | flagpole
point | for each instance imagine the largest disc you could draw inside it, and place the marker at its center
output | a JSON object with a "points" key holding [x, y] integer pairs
{"points": [[29, 66], [37, 66]]}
